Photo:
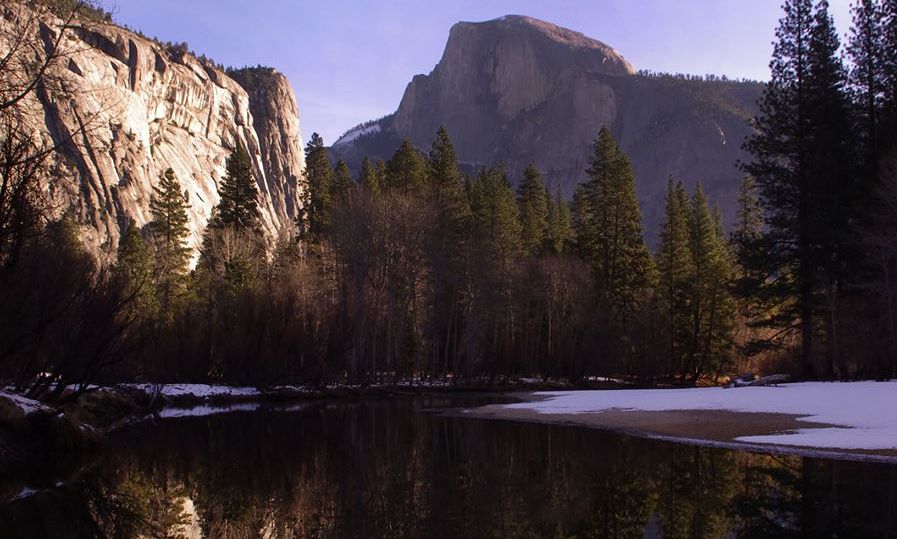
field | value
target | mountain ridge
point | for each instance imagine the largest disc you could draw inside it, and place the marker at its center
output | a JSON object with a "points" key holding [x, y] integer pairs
{"points": [[507, 91]]}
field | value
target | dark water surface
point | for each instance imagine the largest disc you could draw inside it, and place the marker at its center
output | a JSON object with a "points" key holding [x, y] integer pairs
{"points": [[389, 468]]}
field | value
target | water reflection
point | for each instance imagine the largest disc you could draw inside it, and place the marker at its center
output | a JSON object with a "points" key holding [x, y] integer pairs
{"points": [[386, 469]]}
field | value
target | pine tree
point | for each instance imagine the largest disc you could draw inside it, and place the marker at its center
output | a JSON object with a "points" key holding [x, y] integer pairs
{"points": [[238, 207], [868, 54], [342, 181], [702, 243], [749, 217], [133, 268], [406, 170], [832, 137], [315, 220], [748, 246], [234, 230], [448, 248], [749, 259], [380, 173], [498, 233], [445, 177], [497, 247], [675, 268], [833, 174], [442, 165], [368, 178], [533, 201], [560, 229], [495, 214], [696, 269], [889, 67], [169, 232], [802, 163], [608, 226], [722, 307]]}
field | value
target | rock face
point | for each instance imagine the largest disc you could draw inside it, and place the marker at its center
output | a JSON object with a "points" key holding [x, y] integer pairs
{"points": [[132, 108], [519, 90]]}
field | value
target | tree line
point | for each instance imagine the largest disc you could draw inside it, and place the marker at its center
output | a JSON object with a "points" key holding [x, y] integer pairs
{"points": [[814, 239], [412, 270]]}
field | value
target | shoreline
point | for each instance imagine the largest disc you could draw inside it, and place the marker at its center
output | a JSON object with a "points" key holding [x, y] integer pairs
{"points": [[99, 410], [39, 439], [31, 431], [704, 427]]}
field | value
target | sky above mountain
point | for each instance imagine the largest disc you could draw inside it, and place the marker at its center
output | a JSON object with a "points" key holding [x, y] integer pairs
{"points": [[350, 60]]}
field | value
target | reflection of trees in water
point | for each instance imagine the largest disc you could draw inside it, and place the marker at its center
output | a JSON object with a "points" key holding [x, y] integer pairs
{"points": [[768, 503], [790, 497], [697, 488], [380, 470]]}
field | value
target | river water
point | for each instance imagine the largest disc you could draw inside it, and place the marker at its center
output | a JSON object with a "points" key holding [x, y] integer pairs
{"points": [[401, 468]]}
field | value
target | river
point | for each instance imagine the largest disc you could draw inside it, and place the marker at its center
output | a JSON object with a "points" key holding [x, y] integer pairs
{"points": [[402, 467]]}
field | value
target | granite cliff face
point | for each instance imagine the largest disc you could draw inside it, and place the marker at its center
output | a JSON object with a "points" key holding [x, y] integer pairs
{"points": [[520, 90], [131, 107]]}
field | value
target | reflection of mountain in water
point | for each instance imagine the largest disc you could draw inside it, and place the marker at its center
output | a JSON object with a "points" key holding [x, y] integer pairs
{"points": [[385, 469]]}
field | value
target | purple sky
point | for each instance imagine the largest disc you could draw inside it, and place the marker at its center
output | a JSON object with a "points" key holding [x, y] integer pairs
{"points": [[349, 60]]}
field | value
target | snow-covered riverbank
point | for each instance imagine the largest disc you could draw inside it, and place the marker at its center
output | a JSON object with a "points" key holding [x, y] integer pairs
{"points": [[839, 416], [24, 404]]}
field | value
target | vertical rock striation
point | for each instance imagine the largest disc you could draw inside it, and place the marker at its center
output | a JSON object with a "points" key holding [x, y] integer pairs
{"points": [[128, 107]]}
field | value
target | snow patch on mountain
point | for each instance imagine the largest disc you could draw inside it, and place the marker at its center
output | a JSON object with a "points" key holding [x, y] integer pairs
{"points": [[359, 131]]}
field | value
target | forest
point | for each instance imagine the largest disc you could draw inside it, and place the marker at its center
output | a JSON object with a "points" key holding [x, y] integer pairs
{"points": [[415, 271]]}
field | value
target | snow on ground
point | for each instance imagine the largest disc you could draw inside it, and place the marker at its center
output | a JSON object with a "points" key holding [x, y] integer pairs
{"points": [[24, 403], [863, 414], [204, 410], [202, 391], [24, 493]]}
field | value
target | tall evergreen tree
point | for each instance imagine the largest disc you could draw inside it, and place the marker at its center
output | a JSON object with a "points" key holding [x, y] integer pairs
{"points": [[368, 178], [314, 220], [133, 268], [380, 172], [749, 258], [495, 214], [889, 66], [710, 305], [748, 246], [608, 226], [169, 232], [447, 251], [342, 181], [445, 177], [442, 165], [675, 268], [719, 339], [801, 162], [868, 54], [749, 216], [496, 249], [235, 221], [238, 207], [560, 230], [533, 201], [406, 170]]}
